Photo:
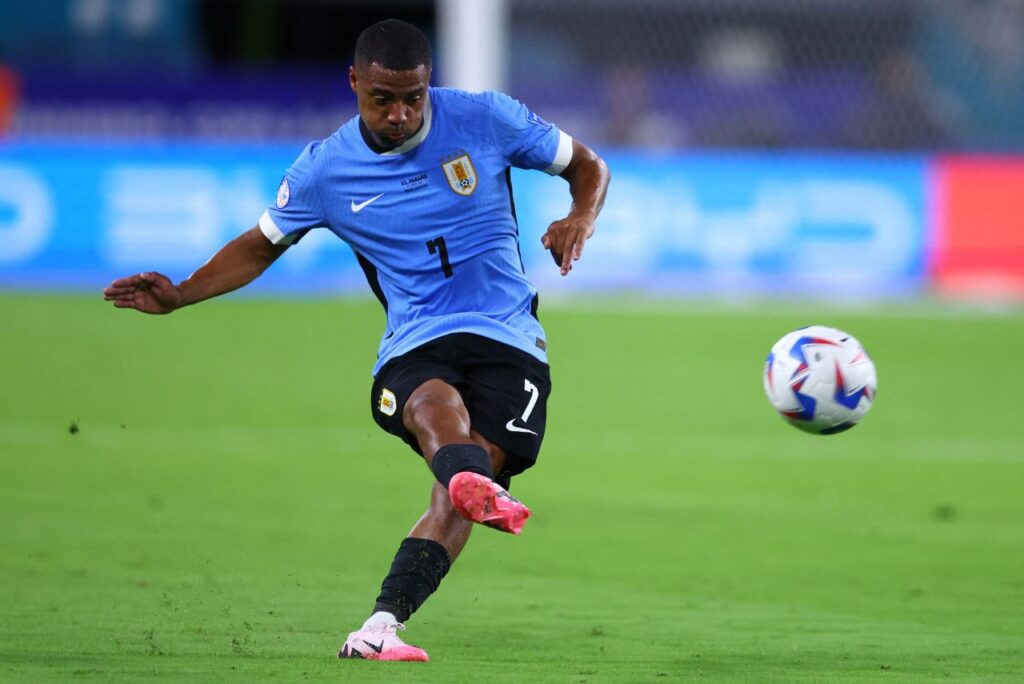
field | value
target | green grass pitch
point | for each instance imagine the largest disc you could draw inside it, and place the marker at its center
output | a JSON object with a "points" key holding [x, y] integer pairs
{"points": [[204, 497]]}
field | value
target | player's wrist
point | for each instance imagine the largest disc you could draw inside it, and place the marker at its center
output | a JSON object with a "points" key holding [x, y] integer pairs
{"points": [[184, 294], [583, 213]]}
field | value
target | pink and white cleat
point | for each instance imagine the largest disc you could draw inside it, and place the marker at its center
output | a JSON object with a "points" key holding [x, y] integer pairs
{"points": [[481, 500], [379, 642]]}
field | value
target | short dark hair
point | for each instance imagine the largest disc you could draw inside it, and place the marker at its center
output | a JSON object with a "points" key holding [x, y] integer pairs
{"points": [[394, 44]]}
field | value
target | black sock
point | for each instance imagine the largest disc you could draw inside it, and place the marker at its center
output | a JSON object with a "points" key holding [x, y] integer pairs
{"points": [[417, 570], [456, 458]]}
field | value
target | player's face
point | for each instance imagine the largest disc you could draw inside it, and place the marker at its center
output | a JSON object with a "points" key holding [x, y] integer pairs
{"points": [[390, 102]]}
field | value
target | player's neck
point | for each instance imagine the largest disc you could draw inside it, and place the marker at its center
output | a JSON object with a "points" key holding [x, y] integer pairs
{"points": [[411, 142], [370, 141]]}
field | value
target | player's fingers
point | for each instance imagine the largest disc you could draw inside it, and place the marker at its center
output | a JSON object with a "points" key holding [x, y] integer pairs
{"points": [[118, 295], [577, 248], [129, 285], [149, 280], [566, 261], [550, 243], [129, 281], [117, 289]]}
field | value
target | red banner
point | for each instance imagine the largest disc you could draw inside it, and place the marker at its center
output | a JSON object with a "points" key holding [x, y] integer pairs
{"points": [[978, 221]]}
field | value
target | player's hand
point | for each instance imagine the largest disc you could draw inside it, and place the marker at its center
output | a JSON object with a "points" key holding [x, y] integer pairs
{"points": [[565, 239], [151, 293]]}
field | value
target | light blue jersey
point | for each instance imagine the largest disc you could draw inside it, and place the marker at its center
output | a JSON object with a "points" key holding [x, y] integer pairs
{"points": [[432, 222]]}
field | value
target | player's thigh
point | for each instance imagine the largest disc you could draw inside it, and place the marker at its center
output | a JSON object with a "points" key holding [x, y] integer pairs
{"points": [[436, 415], [396, 384]]}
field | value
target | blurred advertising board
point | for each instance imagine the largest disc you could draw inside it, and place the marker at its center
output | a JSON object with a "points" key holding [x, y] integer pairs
{"points": [[979, 241], [837, 225], [77, 216]]}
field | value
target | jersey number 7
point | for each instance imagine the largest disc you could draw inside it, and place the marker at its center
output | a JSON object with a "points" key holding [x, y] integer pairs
{"points": [[437, 245]]}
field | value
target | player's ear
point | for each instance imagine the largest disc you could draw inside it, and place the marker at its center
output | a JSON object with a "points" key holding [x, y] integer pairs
{"points": [[352, 80]]}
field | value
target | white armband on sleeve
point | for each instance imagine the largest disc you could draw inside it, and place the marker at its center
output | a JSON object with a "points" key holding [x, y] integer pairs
{"points": [[272, 232], [563, 156]]}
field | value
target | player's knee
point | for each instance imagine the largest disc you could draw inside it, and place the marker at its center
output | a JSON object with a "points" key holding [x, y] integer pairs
{"points": [[494, 452], [436, 408]]}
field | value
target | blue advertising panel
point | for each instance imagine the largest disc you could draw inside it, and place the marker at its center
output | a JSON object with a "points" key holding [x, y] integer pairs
{"points": [[730, 223], [80, 215]]}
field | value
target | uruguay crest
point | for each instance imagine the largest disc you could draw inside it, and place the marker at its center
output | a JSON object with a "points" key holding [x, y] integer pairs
{"points": [[460, 174], [388, 403]]}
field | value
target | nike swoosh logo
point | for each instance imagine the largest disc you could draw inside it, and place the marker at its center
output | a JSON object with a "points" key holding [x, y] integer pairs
{"points": [[512, 427], [356, 208], [378, 649]]}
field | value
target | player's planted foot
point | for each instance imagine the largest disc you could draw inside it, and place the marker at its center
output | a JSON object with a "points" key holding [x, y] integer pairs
{"points": [[481, 500], [380, 642]]}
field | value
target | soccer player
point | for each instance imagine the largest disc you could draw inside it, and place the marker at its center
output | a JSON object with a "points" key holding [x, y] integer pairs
{"points": [[418, 185]]}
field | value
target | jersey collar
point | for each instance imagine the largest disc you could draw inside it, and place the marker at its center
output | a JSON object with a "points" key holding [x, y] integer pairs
{"points": [[409, 144]]}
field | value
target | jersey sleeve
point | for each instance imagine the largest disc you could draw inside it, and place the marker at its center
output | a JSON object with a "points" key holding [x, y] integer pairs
{"points": [[528, 141], [298, 208]]}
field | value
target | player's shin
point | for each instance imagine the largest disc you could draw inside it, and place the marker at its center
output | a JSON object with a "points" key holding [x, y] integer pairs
{"points": [[417, 570], [452, 459]]}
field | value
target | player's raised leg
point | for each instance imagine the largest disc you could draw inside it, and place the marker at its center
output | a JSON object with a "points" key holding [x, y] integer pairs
{"points": [[462, 460]]}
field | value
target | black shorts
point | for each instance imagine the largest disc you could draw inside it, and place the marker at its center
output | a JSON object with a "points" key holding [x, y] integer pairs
{"points": [[505, 391]]}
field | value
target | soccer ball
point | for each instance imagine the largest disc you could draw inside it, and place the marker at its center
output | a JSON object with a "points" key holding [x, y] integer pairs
{"points": [[820, 379]]}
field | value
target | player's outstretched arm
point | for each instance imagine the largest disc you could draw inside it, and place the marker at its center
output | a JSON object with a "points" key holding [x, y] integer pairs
{"points": [[588, 178], [238, 263]]}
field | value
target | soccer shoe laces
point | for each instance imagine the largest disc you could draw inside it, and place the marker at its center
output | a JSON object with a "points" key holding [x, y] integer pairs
{"points": [[386, 628]]}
